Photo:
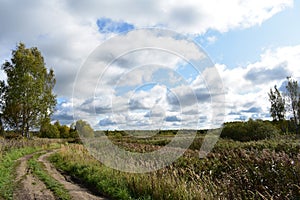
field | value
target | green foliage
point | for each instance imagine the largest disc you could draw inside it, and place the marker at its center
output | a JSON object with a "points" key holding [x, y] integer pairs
{"points": [[27, 99], [49, 131], [64, 131], [84, 129], [247, 131], [74, 134], [58, 131]]}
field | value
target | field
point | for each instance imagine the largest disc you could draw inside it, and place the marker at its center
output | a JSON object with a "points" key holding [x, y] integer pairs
{"points": [[264, 169]]}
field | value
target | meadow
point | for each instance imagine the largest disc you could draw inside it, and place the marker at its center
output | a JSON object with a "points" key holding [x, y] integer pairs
{"points": [[262, 169], [259, 163]]}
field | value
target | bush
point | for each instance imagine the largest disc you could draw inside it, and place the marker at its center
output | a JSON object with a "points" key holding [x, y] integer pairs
{"points": [[249, 131], [49, 131]]}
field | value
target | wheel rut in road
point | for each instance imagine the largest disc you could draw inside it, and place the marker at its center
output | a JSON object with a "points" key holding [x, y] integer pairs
{"points": [[29, 187], [76, 191]]}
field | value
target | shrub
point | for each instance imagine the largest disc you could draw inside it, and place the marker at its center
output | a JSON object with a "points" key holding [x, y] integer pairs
{"points": [[49, 131], [248, 131]]}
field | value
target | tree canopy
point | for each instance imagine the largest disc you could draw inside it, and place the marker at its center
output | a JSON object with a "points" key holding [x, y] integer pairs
{"points": [[84, 129], [27, 98]]}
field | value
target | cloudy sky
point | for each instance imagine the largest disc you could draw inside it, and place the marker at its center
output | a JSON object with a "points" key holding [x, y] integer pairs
{"points": [[200, 63]]}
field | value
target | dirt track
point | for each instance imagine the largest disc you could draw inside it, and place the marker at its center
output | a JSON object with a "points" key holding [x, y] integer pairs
{"points": [[30, 187]]}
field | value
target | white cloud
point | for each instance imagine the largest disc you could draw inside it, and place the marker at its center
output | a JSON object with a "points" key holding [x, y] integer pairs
{"points": [[246, 96], [247, 87], [211, 39], [189, 16], [66, 33]]}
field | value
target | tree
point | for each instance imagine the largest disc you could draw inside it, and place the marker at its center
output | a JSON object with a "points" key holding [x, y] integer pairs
{"points": [[73, 132], [64, 130], [48, 130], [293, 99], [84, 129], [28, 97], [277, 109]]}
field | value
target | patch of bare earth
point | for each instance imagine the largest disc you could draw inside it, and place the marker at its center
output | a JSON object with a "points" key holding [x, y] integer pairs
{"points": [[29, 187], [76, 191]]}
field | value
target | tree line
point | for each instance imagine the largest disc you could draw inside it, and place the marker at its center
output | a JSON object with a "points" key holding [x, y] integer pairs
{"points": [[27, 100]]}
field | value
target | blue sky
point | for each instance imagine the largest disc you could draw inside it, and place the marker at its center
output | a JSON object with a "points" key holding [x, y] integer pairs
{"points": [[242, 46], [252, 46], [107, 26]]}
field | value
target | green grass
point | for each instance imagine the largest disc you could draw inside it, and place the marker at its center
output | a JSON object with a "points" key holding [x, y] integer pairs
{"points": [[94, 176], [7, 168], [58, 189]]}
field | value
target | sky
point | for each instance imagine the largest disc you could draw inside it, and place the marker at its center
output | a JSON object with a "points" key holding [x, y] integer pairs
{"points": [[144, 64]]}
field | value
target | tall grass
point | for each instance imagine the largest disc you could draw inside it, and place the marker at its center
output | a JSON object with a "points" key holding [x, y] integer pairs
{"points": [[268, 169], [163, 184]]}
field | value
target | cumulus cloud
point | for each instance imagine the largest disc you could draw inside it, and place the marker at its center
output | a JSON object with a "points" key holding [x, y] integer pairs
{"points": [[247, 86], [67, 32], [188, 16], [261, 75]]}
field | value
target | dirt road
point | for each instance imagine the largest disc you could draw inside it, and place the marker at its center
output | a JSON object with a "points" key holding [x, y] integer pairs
{"points": [[30, 187]]}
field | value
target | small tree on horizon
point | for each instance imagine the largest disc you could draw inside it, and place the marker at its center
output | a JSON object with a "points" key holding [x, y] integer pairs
{"points": [[293, 95], [277, 109]]}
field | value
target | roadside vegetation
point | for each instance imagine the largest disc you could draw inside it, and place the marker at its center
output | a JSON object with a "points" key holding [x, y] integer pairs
{"points": [[265, 169], [10, 151], [7, 168]]}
